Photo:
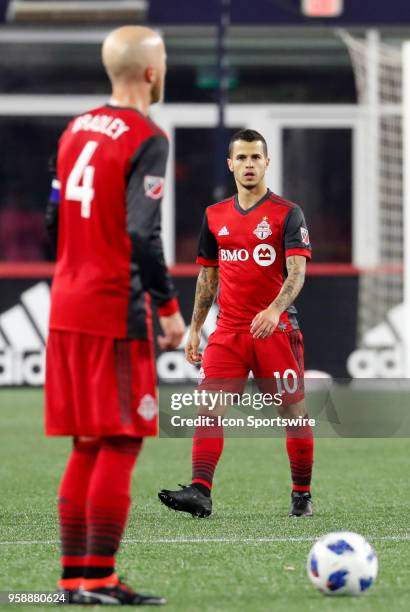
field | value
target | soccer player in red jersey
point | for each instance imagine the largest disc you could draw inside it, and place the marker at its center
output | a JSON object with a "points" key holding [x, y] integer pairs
{"points": [[104, 213], [254, 247]]}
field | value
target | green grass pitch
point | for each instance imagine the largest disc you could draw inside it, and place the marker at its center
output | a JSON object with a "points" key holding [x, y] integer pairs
{"points": [[249, 556]]}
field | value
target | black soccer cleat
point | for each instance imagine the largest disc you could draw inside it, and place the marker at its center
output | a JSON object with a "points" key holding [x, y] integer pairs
{"points": [[301, 504], [187, 499], [116, 594]]}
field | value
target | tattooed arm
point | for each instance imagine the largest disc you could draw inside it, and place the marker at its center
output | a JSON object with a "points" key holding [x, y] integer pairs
{"points": [[206, 288], [266, 321], [296, 267]]}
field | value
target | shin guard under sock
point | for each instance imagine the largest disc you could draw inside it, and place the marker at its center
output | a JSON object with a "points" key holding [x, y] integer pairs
{"points": [[108, 503], [207, 447], [71, 507], [299, 445]]}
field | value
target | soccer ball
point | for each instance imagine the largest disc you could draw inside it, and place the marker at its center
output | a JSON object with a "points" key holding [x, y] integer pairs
{"points": [[342, 563]]}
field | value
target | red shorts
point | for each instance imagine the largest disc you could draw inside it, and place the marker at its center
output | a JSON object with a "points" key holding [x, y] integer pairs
{"points": [[276, 363], [98, 386]]}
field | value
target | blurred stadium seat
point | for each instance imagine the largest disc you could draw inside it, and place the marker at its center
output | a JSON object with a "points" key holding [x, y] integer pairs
{"points": [[70, 10]]}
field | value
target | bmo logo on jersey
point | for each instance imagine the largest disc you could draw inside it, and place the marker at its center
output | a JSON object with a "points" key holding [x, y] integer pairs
{"points": [[233, 255], [263, 254]]}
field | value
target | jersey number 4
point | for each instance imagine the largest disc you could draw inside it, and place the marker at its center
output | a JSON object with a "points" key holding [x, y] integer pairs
{"points": [[80, 182]]}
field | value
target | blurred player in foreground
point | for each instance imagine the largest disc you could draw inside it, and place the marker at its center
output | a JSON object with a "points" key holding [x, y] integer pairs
{"points": [[254, 246], [104, 213]]}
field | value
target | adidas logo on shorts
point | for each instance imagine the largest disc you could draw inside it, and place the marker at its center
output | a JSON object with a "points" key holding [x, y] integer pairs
{"points": [[23, 334]]}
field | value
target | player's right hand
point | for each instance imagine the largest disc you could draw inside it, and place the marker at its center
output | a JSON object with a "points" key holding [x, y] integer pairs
{"points": [[192, 348], [174, 329]]}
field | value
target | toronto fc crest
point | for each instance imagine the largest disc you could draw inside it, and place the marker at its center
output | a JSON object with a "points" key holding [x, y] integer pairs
{"points": [[263, 229], [153, 187]]}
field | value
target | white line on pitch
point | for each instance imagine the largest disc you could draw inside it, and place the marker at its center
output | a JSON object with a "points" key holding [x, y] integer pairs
{"points": [[267, 540]]}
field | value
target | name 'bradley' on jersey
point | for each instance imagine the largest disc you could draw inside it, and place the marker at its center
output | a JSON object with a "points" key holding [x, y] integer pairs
{"points": [[114, 127]]}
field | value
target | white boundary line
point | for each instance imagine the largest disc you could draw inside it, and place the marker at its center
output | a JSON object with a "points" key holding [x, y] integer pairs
{"points": [[267, 540]]}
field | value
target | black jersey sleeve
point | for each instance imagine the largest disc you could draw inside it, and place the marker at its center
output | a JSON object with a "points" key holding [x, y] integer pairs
{"points": [[208, 246], [143, 196], [296, 236]]}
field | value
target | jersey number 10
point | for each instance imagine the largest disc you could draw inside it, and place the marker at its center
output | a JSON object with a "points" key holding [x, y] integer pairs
{"points": [[80, 182]]}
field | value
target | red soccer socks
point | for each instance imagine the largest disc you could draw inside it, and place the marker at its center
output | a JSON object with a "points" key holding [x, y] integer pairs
{"points": [[299, 445], [206, 452], [108, 503], [94, 503], [71, 507]]}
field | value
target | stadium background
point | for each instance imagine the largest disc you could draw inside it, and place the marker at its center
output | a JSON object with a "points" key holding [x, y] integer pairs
{"points": [[292, 77], [272, 68]]}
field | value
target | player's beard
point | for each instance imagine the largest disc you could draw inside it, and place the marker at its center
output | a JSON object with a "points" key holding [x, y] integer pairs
{"points": [[249, 186]]}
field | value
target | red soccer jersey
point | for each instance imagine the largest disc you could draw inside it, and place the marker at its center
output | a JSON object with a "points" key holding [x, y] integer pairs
{"points": [[106, 206], [250, 247]]}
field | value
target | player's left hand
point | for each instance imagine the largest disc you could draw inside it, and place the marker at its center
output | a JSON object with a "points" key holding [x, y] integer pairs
{"points": [[265, 322], [174, 329]]}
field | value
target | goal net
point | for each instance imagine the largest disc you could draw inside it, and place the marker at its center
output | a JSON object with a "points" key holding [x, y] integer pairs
{"points": [[378, 74]]}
